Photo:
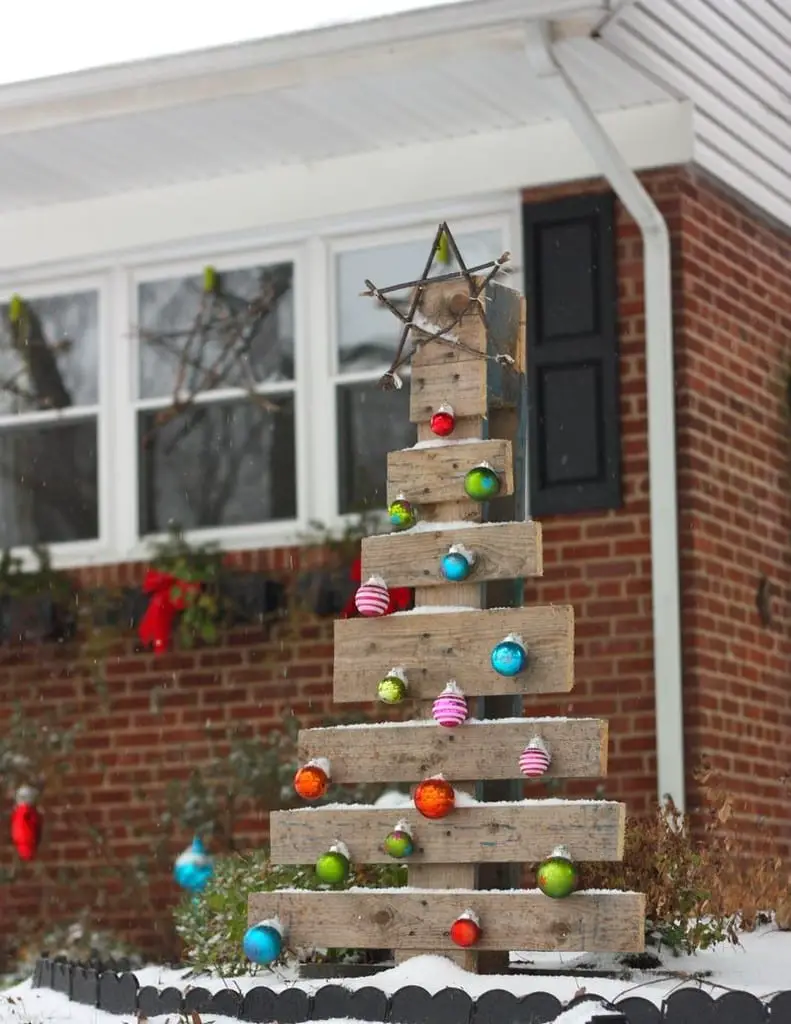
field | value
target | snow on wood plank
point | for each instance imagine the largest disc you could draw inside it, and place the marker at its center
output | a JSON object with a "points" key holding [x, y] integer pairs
{"points": [[501, 833], [433, 647], [501, 550], [421, 919], [477, 750], [428, 476]]}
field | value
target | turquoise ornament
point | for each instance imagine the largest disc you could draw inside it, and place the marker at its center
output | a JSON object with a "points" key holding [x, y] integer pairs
{"points": [[263, 943], [194, 867], [401, 514], [509, 657], [399, 843], [457, 564], [482, 483]]}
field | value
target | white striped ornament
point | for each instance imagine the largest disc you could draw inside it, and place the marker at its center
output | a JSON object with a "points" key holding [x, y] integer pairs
{"points": [[372, 598], [535, 759]]}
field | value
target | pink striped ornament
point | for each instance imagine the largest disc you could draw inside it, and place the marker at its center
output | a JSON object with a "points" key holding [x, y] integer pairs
{"points": [[535, 759], [450, 708], [372, 598]]}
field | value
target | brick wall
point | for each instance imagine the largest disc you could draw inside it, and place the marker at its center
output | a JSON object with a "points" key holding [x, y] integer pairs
{"points": [[734, 451], [145, 719]]}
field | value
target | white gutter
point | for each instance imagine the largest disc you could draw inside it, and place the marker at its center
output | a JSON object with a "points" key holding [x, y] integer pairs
{"points": [[665, 583]]}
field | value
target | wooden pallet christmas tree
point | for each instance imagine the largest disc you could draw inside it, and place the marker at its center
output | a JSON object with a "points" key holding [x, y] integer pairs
{"points": [[467, 366]]}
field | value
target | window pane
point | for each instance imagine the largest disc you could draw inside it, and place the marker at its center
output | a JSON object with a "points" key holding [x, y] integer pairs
{"points": [[48, 483], [49, 354], [367, 332], [220, 464], [240, 336], [371, 423]]}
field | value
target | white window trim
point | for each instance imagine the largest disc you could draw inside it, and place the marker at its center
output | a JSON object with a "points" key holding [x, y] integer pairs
{"points": [[311, 248]]}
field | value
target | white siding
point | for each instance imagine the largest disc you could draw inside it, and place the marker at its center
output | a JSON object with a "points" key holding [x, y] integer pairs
{"points": [[732, 58]]}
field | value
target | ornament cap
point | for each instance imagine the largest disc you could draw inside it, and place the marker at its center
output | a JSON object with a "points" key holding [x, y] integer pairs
{"points": [[402, 825], [484, 465], [447, 408], [274, 923], [319, 762], [562, 852], [26, 795], [514, 638], [340, 847], [451, 687], [537, 743], [469, 915], [460, 549], [375, 581], [399, 672]]}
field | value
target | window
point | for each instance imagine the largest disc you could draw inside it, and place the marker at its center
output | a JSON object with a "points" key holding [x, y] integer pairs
{"points": [[216, 386], [49, 406], [572, 355], [372, 422], [233, 395]]}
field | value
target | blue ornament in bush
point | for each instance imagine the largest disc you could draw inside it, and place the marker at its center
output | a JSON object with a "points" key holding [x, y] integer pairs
{"points": [[509, 657], [263, 943], [456, 565], [194, 867]]}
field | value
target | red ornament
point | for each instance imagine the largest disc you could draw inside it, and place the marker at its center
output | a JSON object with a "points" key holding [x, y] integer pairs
{"points": [[401, 598], [26, 823], [466, 930], [313, 779], [435, 797], [443, 422], [168, 596]]}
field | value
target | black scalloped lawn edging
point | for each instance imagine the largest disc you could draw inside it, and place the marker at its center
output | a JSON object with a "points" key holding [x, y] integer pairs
{"points": [[119, 992]]}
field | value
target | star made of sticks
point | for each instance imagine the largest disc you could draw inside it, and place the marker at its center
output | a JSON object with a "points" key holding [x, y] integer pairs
{"points": [[443, 238]]}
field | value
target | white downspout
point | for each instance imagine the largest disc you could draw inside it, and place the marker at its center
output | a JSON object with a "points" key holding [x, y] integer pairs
{"points": [[665, 584]]}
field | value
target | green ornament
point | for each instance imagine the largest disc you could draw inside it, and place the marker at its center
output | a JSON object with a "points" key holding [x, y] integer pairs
{"points": [[392, 689], [210, 280], [333, 867], [16, 308], [482, 483], [401, 514], [557, 876], [399, 842]]}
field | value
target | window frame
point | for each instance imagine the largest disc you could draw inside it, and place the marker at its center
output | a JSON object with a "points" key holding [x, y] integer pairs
{"points": [[311, 248], [79, 552]]}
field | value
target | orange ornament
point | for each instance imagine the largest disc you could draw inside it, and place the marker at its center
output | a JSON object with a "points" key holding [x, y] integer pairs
{"points": [[435, 797], [313, 779], [466, 930]]}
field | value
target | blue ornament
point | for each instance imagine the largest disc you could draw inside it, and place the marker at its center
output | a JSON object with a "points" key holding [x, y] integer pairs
{"points": [[509, 657], [194, 867], [456, 565], [263, 943]]}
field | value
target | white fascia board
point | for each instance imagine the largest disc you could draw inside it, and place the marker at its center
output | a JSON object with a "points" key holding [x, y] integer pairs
{"points": [[276, 62], [206, 212]]}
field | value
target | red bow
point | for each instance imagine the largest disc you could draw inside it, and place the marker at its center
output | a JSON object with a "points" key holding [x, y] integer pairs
{"points": [[26, 825], [401, 598], [168, 596]]}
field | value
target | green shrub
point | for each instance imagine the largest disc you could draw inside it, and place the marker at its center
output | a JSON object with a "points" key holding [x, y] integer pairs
{"points": [[213, 925]]}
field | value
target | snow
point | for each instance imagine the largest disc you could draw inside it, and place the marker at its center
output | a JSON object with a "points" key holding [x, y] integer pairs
{"points": [[443, 442], [424, 608], [759, 965], [429, 723], [397, 801]]}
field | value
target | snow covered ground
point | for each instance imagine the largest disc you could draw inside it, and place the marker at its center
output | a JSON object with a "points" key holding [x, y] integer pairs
{"points": [[760, 966]]}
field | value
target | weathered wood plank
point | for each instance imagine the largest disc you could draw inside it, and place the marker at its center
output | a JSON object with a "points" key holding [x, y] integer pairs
{"points": [[461, 385], [410, 751], [436, 474], [436, 646], [500, 833], [420, 919], [412, 559]]}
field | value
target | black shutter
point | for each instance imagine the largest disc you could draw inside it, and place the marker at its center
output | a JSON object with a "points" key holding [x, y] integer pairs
{"points": [[574, 429]]}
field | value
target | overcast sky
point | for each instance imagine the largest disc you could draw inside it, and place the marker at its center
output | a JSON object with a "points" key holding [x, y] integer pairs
{"points": [[52, 37]]}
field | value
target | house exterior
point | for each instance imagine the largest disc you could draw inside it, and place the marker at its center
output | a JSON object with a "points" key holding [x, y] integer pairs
{"points": [[634, 159]]}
